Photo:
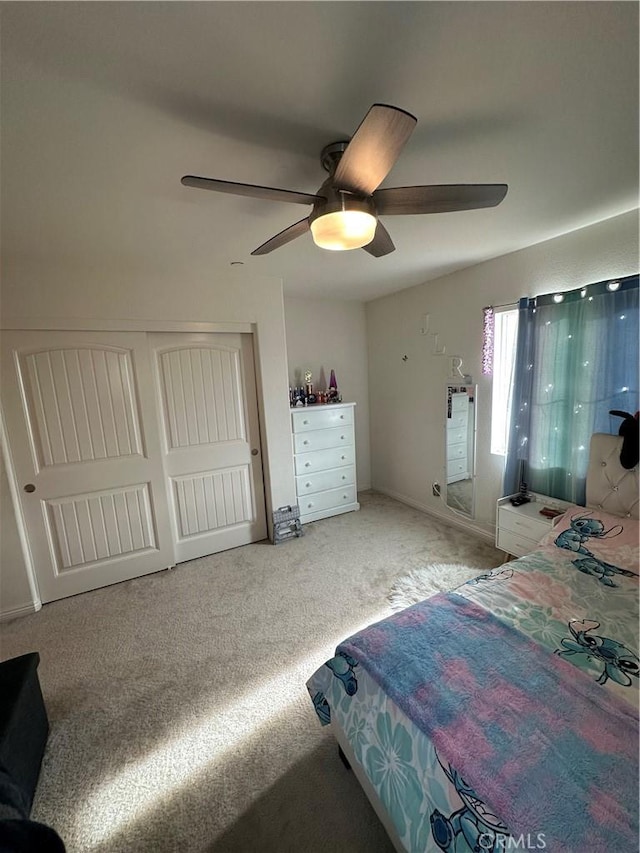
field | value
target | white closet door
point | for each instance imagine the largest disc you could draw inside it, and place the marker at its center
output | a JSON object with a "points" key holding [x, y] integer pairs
{"points": [[83, 435], [211, 442]]}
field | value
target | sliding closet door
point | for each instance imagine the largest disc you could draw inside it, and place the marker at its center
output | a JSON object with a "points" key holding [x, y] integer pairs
{"points": [[83, 435], [210, 439]]}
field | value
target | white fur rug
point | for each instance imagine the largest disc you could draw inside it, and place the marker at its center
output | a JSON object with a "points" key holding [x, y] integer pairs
{"points": [[426, 581]]}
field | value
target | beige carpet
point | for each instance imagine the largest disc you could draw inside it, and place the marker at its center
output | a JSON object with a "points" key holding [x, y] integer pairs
{"points": [[179, 716]]}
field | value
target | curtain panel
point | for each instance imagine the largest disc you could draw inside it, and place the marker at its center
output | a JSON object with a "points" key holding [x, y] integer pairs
{"points": [[577, 357]]}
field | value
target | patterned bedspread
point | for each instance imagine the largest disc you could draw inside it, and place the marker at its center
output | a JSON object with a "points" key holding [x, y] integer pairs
{"points": [[574, 601]]}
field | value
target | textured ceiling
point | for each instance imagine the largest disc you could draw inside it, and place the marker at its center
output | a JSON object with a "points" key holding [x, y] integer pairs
{"points": [[106, 105]]}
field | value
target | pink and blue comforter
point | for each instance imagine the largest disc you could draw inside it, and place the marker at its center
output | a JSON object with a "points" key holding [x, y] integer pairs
{"points": [[504, 715]]}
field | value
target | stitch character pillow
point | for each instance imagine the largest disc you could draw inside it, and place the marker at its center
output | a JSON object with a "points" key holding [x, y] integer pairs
{"points": [[597, 537]]}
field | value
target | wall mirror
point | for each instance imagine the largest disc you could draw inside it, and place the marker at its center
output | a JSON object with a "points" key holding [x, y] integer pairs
{"points": [[460, 445]]}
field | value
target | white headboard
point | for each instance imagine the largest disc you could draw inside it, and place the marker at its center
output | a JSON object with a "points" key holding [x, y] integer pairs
{"points": [[610, 486]]}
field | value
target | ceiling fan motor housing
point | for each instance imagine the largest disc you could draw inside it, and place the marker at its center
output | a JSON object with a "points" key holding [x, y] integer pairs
{"points": [[333, 201], [331, 154]]}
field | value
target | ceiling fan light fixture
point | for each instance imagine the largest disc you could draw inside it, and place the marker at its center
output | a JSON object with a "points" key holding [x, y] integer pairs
{"points": [[343, 230]]}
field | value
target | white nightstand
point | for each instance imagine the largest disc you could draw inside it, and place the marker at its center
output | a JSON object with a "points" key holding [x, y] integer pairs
{"points": [[520, 528]]}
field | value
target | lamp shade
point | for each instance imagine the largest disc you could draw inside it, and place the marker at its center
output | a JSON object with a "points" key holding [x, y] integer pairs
{"points": [[343, 229]]}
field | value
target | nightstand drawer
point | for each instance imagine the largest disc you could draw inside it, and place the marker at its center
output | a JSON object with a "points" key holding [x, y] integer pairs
{"points": [[523, 525], [320, 439], [514, 543]]}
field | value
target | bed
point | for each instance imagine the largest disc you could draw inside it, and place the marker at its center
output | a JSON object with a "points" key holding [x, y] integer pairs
{"points": [[504, 714]]}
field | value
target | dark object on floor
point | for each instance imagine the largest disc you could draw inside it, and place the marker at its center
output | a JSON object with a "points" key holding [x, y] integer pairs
{"points": [[630, 438], [24, 728], [344, 758]]}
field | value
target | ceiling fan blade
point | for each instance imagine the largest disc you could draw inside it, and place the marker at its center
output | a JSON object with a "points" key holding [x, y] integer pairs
{"points": [[438, 199], [374, 148], [382, 244], [284, 237], [251, 190]]}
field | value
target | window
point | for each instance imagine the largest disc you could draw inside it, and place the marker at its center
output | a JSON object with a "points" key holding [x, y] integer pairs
{"points": [[504, 356]]}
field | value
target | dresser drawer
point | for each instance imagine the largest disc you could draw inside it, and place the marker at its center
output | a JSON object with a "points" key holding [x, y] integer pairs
{"points": [[320, 439], [457, 420], [456, 435], [523, 524], [457, 451], [456, 468], [514, 543], [321, 418], [320, 460], [459, 403], [327, 500], [322, 480]]}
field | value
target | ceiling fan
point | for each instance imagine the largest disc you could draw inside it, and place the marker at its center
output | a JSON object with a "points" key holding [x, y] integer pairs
{"points": [[347, 206]]}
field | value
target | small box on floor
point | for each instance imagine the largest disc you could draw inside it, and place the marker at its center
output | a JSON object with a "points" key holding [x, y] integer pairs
{"points": [[286, 523]]}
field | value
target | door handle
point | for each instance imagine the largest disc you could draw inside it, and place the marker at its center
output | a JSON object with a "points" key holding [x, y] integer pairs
{"points": [[254, 451], [29, 488]]}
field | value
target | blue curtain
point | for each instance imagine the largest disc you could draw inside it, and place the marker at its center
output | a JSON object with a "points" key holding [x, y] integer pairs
{"points": [[577, 358]]}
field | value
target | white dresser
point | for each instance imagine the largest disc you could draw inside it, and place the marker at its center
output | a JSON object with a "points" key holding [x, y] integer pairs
{"points": [[458, 438], [520, 528], [325, 460]]}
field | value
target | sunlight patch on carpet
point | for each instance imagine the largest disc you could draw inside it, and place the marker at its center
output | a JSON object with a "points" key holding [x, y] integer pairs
{"points": [[132, 792]]}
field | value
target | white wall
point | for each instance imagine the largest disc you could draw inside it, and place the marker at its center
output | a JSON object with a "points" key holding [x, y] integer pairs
{"points": [[325, 333], [33, 292], [407, 408], [15, 592]]}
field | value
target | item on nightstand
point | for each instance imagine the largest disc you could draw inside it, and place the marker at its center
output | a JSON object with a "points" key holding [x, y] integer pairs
{"points": [[522, 496], [549, 512]]}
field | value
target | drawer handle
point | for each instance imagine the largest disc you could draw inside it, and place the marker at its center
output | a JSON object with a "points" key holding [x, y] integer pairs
{"points": [[309, 506], [343, 437], [306, 485], [344, 476], [305, 442], [305, 422], [341, 417], [345, 497], [307, 464], [343, 457]]}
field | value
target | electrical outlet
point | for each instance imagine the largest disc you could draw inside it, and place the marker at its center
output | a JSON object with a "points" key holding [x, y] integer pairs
{"points": [[435, 488]]}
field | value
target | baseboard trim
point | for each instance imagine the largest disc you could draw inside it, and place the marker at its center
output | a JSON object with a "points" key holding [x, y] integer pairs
{"points": [[24, 610], [455, 521]]}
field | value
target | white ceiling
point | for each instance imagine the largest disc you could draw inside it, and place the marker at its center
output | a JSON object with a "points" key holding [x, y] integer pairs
{"points": [[106, 105]]}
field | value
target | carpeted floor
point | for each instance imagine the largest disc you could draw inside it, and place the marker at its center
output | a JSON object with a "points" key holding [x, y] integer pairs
{"points": [[179, 716]]}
